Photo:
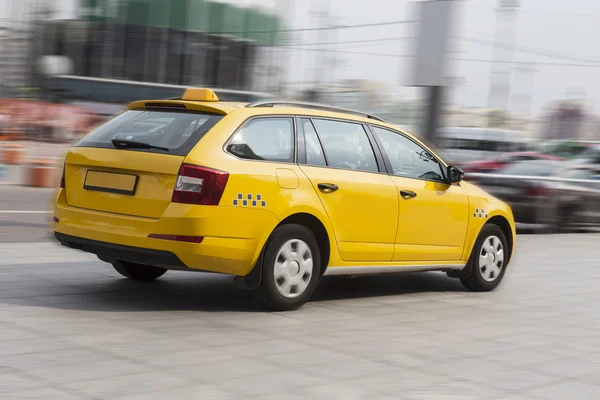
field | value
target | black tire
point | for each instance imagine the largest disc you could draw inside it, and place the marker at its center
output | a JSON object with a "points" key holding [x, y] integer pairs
{"points": [[268, 294], [138, 272], [477, 282]]}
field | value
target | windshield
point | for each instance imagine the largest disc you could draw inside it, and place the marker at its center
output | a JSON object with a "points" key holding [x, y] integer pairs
{"points": [[533, 168], [175, 131]]}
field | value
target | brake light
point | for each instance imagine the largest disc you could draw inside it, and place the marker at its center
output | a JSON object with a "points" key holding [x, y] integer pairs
{"points": [[62, 179], [199, 185]]}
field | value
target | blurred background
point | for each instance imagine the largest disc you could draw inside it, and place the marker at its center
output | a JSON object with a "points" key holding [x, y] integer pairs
{"points": [[506, 89], [493, 85]]}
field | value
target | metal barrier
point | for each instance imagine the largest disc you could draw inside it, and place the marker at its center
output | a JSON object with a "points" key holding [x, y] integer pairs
{"points": [[531, 178]]}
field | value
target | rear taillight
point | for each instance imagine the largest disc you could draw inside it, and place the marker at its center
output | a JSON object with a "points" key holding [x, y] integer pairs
{"points": [[199, 185], [537, 191], [62, 179]]}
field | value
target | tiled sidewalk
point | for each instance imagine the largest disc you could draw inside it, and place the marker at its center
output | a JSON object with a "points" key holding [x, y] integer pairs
{"points": [[71, 328]]}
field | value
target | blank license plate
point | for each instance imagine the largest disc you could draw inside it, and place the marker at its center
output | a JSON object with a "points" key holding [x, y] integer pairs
{"points": [[110, 182]]}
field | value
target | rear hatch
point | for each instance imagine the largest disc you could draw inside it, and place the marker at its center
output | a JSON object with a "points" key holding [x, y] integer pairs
{"points": [[130, 164]]}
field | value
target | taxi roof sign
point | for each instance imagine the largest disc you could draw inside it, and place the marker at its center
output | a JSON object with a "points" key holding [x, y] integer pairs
{"points": [[199, 94]]}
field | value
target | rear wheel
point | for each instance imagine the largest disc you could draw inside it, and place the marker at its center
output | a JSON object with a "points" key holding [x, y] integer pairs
{"points": [[489, 259], [290, 268], [565, 218], [138, 272]]}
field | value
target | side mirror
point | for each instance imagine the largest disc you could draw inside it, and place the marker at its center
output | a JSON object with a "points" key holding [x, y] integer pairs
{"points": [[454, 174]]}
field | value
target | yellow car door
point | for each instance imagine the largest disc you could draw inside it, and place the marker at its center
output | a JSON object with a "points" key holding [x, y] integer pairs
{"points": [[433, 215], [361, 202]]}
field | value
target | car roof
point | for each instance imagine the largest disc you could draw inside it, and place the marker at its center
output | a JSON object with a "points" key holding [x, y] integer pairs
{"points": [[227, 107]]}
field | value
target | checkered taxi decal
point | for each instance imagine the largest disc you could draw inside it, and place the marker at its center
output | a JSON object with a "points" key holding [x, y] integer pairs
{"points": [[249, 201], [479, 213]]}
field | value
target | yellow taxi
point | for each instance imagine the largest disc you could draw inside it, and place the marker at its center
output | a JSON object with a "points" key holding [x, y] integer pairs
{"points": [[276, 194]]}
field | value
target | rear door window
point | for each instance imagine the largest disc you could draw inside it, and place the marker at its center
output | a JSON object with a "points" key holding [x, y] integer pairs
{"points": [[176, 131], [346, 145]]}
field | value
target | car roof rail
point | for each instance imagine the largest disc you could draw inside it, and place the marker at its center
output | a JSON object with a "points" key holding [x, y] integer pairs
{"points": [[316, 106]]}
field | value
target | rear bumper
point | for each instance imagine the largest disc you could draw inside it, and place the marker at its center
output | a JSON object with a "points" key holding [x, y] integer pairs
{"points": [[233, 236], [111, 251]]}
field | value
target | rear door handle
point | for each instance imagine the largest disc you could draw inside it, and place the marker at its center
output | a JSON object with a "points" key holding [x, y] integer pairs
{"points": [[327, 187], [407, 194]]}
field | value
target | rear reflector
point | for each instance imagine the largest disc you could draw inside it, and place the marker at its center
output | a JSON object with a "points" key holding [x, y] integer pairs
{"points": [[199, 185], [188, 239], [54, 219]]}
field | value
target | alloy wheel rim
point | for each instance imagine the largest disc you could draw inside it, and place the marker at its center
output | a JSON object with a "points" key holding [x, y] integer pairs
{"points": [[293, 268], [491, 259]]}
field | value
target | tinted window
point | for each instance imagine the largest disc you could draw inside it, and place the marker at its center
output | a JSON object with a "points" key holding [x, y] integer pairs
{"points": [[314, 151], [346, 145], [270, 139], [408, 158], [176, 131]]}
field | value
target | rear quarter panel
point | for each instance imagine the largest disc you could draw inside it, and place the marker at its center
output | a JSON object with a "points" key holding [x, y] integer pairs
{"points": [[261, 187]]}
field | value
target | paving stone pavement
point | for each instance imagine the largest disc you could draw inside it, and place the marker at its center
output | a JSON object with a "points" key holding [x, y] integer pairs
{"points": [[71, 328]]}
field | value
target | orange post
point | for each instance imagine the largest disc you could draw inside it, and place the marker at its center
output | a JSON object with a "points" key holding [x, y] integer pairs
{"points": [[13, 154], [43, 173]]}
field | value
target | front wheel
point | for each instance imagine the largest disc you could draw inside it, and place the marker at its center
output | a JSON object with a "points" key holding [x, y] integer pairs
{"points": [[138, 272], [489, 259], [290, 268]]}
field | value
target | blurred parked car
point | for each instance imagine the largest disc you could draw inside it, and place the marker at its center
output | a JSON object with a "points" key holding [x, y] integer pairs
{"points": [[463, 145], [567, 149], [549, 205], [488, 166]]}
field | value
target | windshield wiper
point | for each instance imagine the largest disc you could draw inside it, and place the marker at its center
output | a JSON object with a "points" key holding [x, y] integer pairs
{"points": [[424, 155], [134, 144]]}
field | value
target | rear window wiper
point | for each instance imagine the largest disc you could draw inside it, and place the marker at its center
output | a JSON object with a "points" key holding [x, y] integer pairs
{"points": [[134, 144]]}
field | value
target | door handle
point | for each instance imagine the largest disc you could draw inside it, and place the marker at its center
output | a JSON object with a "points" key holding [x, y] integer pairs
{"points": [[407, 194], [327, 187]]}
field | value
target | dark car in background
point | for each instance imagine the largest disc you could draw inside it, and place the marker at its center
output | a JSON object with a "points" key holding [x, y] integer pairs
{"points": [[555, 206]]}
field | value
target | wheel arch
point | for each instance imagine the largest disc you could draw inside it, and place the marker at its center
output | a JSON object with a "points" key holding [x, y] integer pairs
{"points": [[503, 223], [320, 229]]}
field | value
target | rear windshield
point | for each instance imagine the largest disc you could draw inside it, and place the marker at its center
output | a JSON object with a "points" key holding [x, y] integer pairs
{"points": [[173, 132]]}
